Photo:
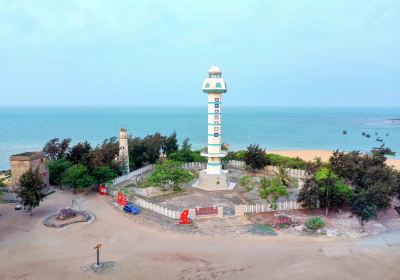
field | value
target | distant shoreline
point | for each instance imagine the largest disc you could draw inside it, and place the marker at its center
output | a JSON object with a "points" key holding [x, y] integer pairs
{"points": [[323, 154]]}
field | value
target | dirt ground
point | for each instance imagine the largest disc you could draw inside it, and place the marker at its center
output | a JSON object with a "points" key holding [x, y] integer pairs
{"points": [[134, 249]]}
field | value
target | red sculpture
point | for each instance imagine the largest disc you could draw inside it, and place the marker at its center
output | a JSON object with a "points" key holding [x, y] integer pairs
{"points": [[103, 190], [121, 199], [184, 218]]}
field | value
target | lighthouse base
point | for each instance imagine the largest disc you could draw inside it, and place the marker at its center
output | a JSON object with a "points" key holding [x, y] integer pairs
{"points": [[214, 182]]}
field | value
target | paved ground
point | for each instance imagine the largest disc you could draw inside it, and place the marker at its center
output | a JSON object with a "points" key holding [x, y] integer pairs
{"points": [[135, 248], [193, 197]]}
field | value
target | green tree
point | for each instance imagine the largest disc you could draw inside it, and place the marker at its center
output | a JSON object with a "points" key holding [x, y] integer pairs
{"points": [[168, 174], [255, 157], [29, 189], [247, 183], [374, 183], [80, 153], [145, 151], [336, 190], [309, 193], [77, 177], [170, 144], [104, 174], [272, 189], [283, 175], [362, 208], [105, 154], [2, 185], [56, 149], [57, 169], [186, 145]]}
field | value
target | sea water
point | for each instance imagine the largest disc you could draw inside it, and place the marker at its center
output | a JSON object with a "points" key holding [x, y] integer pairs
{"points": [[274, 128]]}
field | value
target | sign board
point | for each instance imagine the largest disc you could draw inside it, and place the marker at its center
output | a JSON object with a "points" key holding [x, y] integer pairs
{"points": [[206, 211]]}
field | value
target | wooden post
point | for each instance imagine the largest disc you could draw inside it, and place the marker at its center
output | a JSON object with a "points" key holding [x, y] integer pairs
{"points": [[97, 247]]}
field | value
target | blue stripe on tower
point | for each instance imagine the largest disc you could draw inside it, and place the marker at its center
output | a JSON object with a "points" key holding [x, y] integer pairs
{"points": [[214, 164]]}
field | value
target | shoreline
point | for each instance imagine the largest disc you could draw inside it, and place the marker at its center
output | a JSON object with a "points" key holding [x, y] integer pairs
{"points": [[309, 155]]}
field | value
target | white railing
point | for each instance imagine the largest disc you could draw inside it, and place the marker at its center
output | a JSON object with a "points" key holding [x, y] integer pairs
{"points": [[194, 165], [157, 208], [281, 206], [299, 173], [133, 174]]}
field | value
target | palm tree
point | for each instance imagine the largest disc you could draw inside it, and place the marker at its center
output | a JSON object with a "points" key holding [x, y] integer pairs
{"points": [[283, 175]]}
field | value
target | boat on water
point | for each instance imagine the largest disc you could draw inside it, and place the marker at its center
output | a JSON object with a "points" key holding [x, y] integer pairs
{"points": [[379, 139], [344, 131], [375, 149]]}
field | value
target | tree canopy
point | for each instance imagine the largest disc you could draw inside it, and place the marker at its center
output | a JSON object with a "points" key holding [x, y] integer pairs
{"points": [[77, 177], [169, 173]]}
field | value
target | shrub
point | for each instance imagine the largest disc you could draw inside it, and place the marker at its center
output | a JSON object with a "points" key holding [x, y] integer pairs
{"points": [[288, 162], [314, 223], [255, 157], [247, 183]]}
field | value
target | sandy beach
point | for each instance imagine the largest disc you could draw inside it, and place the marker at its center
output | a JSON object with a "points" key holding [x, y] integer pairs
{"points": [[323, 154]]}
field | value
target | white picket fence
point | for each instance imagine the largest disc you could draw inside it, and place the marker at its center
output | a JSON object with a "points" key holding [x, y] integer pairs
{"points": [[236, 164], [157, 208], [194, 165], [261, 208], [298, 173], [133, 174]]}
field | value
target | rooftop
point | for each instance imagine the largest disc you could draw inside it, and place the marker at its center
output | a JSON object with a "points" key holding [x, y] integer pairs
{"points": [[27, 156]]}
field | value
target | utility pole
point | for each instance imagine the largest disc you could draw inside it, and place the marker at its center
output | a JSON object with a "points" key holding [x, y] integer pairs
{"points": [[97, 247]]}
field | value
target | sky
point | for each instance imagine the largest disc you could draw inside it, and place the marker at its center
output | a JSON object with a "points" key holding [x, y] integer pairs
{"points": [[157, 53]]}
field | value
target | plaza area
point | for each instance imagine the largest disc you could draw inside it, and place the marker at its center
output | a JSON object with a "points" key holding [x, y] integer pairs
{"points": [[139, 248]]}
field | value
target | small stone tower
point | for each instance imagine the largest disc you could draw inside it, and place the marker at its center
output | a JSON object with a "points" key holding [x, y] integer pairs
{"points": [[123, 157]]}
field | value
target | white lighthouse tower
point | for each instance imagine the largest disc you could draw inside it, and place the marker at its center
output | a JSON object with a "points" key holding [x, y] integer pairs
{"points": [[214, 177]]}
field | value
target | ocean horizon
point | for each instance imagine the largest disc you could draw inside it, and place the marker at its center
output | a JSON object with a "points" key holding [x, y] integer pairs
{"points": [[274, 128]]}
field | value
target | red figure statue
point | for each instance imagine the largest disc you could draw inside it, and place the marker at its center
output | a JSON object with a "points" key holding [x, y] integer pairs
{"points": [[103, 190], [121, 199], [184, 218]]}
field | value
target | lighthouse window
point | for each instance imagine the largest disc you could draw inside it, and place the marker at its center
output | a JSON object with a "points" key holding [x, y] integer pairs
{"points": [[216, 106], [216, 117], [207, 85], [216, 99], [216, 111], [218, 85], [215, 134]]}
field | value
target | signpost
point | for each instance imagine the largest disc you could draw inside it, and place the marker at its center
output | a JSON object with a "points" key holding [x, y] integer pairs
{"points": [[97, 247]]}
